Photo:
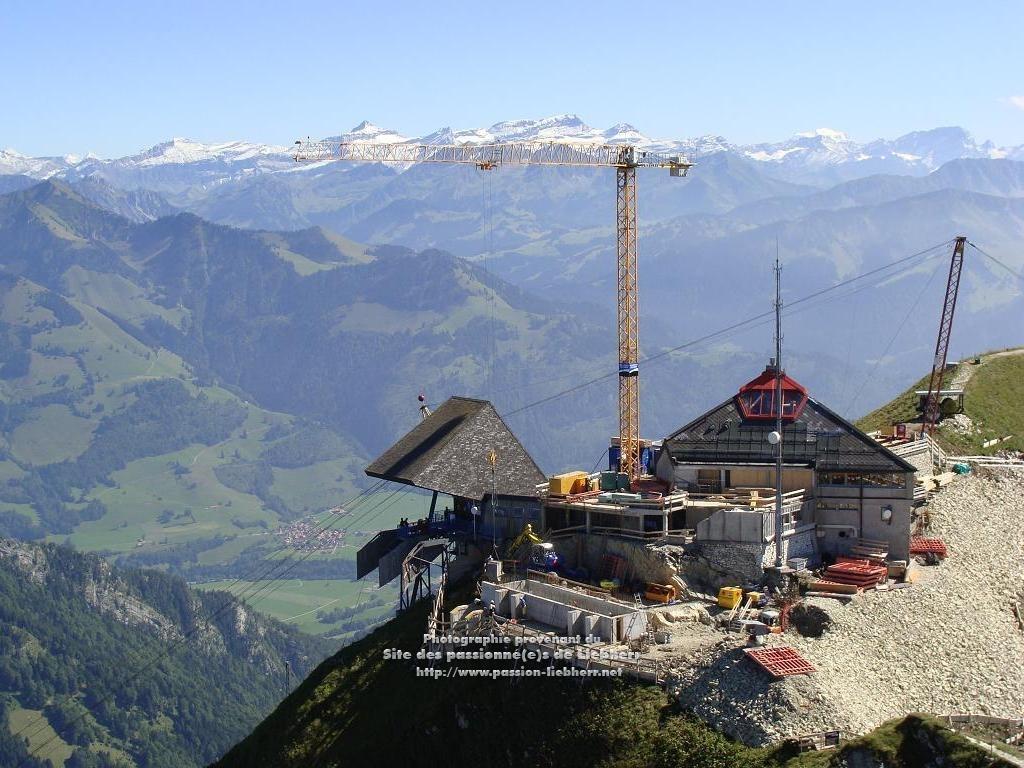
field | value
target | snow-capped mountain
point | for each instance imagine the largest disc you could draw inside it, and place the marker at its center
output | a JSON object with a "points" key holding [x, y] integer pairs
{"points": [[180, 151], [12, 162], [180, 164], [369, 133], [824, 149], [822, 156]]}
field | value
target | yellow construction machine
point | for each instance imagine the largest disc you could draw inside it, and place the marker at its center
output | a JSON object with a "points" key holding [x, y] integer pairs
{"points": [[542, 555]]}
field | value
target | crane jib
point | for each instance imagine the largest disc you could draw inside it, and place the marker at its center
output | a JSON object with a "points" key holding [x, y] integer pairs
{"points": [[491, 155]]}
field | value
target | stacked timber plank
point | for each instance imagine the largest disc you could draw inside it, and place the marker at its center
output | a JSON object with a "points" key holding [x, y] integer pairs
{"points": [[870, 549]]}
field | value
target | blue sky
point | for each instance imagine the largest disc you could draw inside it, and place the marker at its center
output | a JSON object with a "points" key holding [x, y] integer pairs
{"points": [[114, 78]]}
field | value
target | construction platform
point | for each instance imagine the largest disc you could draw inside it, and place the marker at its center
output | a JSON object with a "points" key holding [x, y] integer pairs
{"points": [[653, 512]]}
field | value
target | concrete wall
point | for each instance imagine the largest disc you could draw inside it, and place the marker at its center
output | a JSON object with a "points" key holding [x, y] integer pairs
{"points": [[581, 600], [694, 515], [731, 563], [720, 564], [801, 543], [566, 611], [735, 525], [845, 513]]}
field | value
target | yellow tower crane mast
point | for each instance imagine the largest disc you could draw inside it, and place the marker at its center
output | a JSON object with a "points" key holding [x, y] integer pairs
{"points": [[624, 158]]}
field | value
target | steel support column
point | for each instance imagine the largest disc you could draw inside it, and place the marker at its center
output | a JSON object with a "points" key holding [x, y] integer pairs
{"points": [[629, 353]]}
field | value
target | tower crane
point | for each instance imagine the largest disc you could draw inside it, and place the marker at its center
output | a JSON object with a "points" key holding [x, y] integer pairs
{"points": [[624, 158]]}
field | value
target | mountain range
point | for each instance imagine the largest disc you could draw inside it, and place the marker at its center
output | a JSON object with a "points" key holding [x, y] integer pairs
{"points": [[823, 150], [267, 307], [832, 207]]}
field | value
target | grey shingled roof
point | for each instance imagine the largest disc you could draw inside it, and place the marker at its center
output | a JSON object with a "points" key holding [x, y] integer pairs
{"points": [[447, 452], [818, 438]]}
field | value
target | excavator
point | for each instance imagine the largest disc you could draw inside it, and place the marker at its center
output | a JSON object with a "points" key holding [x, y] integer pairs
{"points": [[541, 556]]}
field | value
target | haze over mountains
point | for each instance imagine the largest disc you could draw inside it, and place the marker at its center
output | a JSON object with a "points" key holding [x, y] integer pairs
{"points": [[834, 206]]}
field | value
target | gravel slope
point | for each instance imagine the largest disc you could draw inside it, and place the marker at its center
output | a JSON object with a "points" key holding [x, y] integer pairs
{"points": [[949, 643]]}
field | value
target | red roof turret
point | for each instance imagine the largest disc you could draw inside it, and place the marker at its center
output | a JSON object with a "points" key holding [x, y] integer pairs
{"points": [[756, 399]]}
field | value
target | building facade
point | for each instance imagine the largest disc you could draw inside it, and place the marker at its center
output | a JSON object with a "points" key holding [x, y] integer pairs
{"points": [[839, 482]]}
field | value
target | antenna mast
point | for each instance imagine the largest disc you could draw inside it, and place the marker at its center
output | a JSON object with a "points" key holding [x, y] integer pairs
{"points": [[778, 408]]}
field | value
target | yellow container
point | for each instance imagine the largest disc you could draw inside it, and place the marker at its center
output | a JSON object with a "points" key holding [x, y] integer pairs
{"points": [[729, 597], [754, 597], [660, 593], [566, 483]]}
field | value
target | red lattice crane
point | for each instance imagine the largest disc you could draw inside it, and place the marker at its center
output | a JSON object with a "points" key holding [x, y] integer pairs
{"points": [[933, 400], [624, 158]]}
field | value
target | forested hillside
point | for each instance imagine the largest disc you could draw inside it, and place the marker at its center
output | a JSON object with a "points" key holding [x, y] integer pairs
{"points": [[103, 666]]}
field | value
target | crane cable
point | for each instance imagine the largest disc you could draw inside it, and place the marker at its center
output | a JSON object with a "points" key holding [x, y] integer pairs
{"points": [[892, 340], [264, 590], [870, 273], [743, 323], [271, 586], [1015, 273], [342, 510]]}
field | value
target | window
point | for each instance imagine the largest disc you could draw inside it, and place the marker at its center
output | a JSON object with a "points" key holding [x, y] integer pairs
{"points": [[865, 479], [760, 403]]}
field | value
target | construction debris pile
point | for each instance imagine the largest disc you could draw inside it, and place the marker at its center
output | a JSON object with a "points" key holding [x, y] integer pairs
{"points": [[950, 642]]}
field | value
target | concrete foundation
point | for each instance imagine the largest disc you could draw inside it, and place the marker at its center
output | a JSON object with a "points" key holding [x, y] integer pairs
{"points": [[567, 611]]}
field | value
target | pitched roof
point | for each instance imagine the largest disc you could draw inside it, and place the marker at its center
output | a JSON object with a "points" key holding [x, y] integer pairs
{"points": [[447, 452], [818, 438]]}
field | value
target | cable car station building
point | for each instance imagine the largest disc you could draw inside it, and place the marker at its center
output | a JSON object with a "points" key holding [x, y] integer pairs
{"points": [[840, 486], [711, 491]]}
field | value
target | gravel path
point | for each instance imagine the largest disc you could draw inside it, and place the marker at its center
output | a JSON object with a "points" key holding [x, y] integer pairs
{"points": [[949, 643], [966, 368]]}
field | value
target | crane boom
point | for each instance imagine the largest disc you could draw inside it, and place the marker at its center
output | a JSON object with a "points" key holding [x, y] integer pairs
{"points": [[489, 156], [625, 158], [932, 402]]}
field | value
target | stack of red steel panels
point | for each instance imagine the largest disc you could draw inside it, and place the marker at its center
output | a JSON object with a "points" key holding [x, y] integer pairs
{"points": [[781, 661], [858, 560], [922, 545], [859, 573]]}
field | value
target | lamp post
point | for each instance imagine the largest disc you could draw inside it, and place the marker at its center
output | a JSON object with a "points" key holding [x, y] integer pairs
{"points": [[778, 413]]}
